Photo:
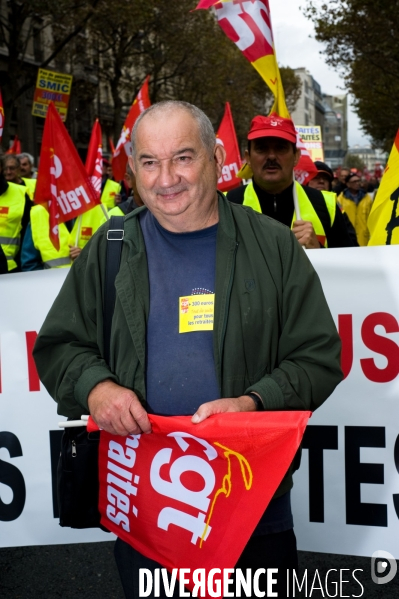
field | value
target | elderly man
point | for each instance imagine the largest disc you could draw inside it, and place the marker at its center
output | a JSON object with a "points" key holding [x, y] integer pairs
{"points": [[272, 155], [269, 348], [27, 162]]}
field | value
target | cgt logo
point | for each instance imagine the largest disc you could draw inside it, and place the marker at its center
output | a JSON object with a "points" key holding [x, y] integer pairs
{"points": [[383, 567]]}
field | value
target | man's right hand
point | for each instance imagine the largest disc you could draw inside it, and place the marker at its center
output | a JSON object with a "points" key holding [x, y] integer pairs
{"points": [[117, 410]]}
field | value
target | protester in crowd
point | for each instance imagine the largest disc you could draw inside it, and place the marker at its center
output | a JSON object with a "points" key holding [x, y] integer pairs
{"points": [[26, 162], [12, 169], [84, 228], [133, 201], [110, 189], [15, 207], [272, 155], [38, 251], [341, 183], [357, 205], [275, 351], [26, 165], [323, 182]]}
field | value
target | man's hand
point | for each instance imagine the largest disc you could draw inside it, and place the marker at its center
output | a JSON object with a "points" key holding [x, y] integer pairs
{"points": [[304, 232], [74, 252], [117, 410], [244, 403]]}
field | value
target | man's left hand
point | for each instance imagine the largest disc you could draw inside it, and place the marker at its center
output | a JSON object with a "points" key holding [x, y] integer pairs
{"points": [[244, 403], [304, 232]]}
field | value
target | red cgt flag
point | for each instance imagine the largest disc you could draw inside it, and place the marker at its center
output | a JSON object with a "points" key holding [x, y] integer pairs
{"points": [[190, 496], [226, 136], [16, 146], [94, 158], [63, 185], [305, 170], [124, 147]]}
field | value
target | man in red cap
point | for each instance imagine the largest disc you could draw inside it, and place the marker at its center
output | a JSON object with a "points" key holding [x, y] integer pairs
{"points": [[272, 155]]}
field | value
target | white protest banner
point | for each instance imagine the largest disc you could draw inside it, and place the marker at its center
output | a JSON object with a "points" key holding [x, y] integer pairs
{"points": [[350, 444], [349, 465], [29, 435]]}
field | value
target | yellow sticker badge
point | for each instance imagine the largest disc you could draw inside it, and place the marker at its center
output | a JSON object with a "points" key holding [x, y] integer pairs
{"points": [[196, 313]]}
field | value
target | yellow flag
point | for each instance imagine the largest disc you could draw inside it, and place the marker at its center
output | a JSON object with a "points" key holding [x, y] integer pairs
{"points": [[248, 24], [383, 221]]}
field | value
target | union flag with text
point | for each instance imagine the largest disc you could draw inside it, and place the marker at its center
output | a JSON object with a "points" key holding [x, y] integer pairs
{"points": [[63, 185], [248, 24], [124, 147], [227, 137], [94, 158], [190, 496]]}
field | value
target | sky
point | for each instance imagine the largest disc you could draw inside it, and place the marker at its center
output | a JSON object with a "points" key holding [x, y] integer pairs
{"points": [[296, 46]]}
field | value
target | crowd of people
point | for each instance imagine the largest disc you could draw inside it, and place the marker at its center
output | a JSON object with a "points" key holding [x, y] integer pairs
{"points": [[334, 207]]}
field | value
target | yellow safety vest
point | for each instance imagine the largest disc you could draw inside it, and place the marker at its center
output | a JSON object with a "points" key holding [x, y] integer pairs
{"points": [[305, 206], [86, 225], [30, 187], [116, 212], [40, 222], [111, 188], [12, 206]]}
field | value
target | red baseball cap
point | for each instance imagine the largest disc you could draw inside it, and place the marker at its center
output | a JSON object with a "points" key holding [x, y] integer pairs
{"points": [[272, 126]]}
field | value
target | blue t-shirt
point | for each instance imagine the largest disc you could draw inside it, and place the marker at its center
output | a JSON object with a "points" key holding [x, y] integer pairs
{"points": [[180, 366], [181, 371]]}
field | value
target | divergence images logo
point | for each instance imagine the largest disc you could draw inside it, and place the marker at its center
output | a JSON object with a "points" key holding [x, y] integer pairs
{"points": [[383, 567]]}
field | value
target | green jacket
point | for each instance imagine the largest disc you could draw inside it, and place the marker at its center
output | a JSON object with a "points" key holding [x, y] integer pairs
{"points": [[273, 331]]}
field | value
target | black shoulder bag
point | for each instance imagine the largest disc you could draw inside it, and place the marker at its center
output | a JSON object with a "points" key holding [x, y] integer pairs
{"points": [[77, 471]]}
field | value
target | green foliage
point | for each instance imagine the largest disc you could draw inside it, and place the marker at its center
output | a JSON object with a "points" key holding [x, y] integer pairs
{"points": [[361, 42], [353, 161], [187, 56]]}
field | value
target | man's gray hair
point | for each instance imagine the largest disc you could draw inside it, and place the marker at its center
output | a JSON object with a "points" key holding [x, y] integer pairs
{"points": [[206, 132], [28, 156], [8, 157]]}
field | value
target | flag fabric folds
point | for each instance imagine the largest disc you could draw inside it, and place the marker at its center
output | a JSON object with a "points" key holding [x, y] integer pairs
{"points": [[383, 221], [248, 24], [227, 137], [16, 146], [94, 158], [124, 147], [63, 185], [190, 496], [305, 170]]}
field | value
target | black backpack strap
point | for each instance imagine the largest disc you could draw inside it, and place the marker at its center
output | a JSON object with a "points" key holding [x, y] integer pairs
{"points": [[115, 236]]}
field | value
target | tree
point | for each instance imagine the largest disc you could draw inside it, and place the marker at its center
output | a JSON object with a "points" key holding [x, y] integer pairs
{"points": [[43, 24], [354, 161], [360, 38], [187, 56]]}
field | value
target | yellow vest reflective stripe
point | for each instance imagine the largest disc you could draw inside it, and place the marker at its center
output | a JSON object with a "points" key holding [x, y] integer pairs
{"points": [[111, 188], [86, 225], [12, 206], [30, 187], [305, 206], [39, 218]]}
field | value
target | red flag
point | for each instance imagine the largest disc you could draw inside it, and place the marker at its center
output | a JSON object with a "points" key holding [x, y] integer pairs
{"points": [[16, 146], [94, 158], [190, 496], [124, 147], [305, 170], [111, 146], [63, 185], [226, 136], [1, 117]]}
